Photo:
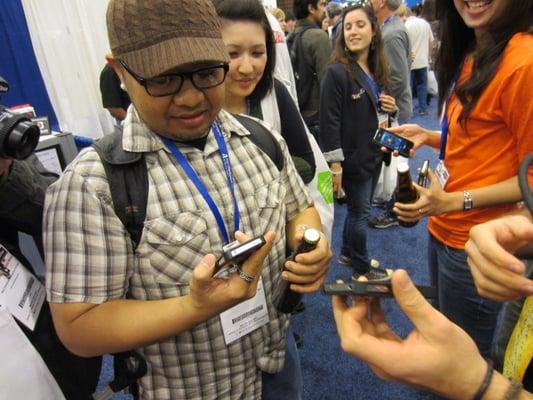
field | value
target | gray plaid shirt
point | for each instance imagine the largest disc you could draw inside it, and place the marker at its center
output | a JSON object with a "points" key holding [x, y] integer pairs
{"points": [[90, 259]]}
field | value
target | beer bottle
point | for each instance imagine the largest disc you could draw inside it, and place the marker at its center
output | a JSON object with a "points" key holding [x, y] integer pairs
{"points": [[405, 191], [284, 299]]}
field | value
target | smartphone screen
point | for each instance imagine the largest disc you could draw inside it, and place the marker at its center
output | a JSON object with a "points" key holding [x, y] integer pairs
{"points": [[393, 142]]}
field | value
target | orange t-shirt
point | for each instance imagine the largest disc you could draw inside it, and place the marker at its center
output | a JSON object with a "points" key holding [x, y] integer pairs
{"points": [[497, 135]]}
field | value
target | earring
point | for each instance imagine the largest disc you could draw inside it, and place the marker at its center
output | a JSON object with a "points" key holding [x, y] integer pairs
{"points": [[122, 86]]}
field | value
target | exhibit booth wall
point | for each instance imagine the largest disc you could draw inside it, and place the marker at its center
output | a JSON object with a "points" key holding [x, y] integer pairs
{"points": [[51, 53]]}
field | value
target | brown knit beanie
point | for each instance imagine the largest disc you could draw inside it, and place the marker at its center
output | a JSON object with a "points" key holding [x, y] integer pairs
{"points": [[156, 36]]}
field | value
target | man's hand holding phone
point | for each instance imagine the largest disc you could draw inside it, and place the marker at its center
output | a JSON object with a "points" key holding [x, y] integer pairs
{"points": [[217, 295]]}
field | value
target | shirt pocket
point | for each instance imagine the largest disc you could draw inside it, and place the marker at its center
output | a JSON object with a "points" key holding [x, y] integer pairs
{"points": [[269, 201], [175, 245]]}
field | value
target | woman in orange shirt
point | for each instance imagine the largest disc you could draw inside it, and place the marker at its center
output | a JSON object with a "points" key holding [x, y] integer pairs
{"points": [[484, 69]]}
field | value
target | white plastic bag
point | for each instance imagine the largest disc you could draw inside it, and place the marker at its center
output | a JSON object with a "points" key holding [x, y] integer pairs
{"points": [[433, 88], [321, 187], [386, 182], [23, 373]]}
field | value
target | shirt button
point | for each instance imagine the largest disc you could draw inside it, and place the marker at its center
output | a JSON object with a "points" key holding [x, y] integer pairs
{"points": [[179, 238]]}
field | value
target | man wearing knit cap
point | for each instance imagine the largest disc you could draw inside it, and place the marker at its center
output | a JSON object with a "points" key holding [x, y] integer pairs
{"points": [[208, 184]]}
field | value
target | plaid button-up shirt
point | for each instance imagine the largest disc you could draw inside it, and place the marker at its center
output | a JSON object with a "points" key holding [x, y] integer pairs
{"points": [[90, 259]]}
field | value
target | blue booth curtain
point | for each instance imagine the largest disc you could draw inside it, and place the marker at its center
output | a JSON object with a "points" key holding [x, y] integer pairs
{"points": [[18, 65]]}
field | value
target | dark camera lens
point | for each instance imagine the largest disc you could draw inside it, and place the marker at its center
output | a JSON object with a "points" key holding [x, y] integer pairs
{"points": [[18, 136]]}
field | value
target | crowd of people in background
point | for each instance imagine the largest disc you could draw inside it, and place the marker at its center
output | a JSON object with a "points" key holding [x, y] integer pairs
{"points": [[179, 78]]}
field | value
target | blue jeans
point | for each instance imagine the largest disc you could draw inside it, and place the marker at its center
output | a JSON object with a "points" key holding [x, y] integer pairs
{"points": [[359, 198], [419, 84], [288, 383], [457, 295]]}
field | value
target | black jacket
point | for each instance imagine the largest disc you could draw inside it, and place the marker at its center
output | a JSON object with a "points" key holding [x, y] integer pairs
{"points": [[348, 121]]}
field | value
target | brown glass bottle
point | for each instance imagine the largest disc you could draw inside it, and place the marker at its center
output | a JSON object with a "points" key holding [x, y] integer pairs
{"points": [[283, 298], [405, 191]]}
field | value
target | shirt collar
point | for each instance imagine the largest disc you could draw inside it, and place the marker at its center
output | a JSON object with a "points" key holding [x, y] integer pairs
{"points": [[138, 138]]}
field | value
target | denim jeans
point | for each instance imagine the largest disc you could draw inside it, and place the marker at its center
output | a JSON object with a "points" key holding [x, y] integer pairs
{"points": [[419, 84], [288, 383], [359, 198], [457, 295]]}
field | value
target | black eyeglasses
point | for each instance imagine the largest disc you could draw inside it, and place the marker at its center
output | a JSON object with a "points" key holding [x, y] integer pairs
{"points": [[523, 180], [170, 84]]}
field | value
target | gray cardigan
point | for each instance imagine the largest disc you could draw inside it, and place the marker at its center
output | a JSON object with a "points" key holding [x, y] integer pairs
{"points": [[398, 55]]}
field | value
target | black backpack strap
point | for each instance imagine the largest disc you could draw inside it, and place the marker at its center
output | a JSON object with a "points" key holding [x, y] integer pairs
{"points": [[263, 139], [303, 72], [128, 182]]}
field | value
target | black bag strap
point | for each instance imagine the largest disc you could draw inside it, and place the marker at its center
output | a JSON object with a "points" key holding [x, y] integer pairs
{"points": [[128, 182], [263, 138]]}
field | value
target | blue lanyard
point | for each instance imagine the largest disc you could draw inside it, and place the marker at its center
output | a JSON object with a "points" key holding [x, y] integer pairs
{"points": [[445, 124], [184, 163], [373, 85], [387, 21]]}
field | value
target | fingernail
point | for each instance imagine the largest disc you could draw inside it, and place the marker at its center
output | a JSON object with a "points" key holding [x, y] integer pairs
{"points": [[284, 276], [529, 288]]}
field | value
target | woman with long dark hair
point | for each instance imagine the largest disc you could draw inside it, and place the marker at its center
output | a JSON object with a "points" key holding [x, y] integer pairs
{"points": [[484, 69], [352, 105], [250, 85]]}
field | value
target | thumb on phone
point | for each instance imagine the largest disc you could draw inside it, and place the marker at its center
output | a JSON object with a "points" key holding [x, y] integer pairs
{"points": [[411, 301]]}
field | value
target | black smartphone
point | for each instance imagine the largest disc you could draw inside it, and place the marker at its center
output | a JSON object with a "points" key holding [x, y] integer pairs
{"points": [[393, 142], [374, 289], [235, 252], [423, 174]]}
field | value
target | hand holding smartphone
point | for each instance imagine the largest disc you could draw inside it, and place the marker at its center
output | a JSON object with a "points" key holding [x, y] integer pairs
{"points": [[393, 142], [235, 253]]}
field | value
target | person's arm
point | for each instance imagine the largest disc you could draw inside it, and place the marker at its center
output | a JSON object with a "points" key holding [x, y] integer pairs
{"points": [[330, 120], [23, 185], [435, 201], [119, 325], [112, 93], [420, 136], [321, 53], [293, 128], [307, 272], [437, 355], [117, 112], [397, 53], [497, 273]]}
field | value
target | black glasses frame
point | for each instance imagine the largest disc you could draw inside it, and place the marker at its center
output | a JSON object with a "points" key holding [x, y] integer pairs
{"points": [[184, 76], [523, 181]]}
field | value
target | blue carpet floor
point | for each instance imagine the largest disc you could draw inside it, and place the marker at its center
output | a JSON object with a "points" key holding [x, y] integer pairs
{"points": [[328, 373]]}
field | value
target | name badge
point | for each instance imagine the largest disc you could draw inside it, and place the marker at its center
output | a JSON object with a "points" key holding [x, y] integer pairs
{"points": [[442, 173], [245, 317], [383, 120], [21, 293]]}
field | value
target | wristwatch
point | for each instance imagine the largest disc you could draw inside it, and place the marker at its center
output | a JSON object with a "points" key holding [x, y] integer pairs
{"points": [[467, 200]]}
